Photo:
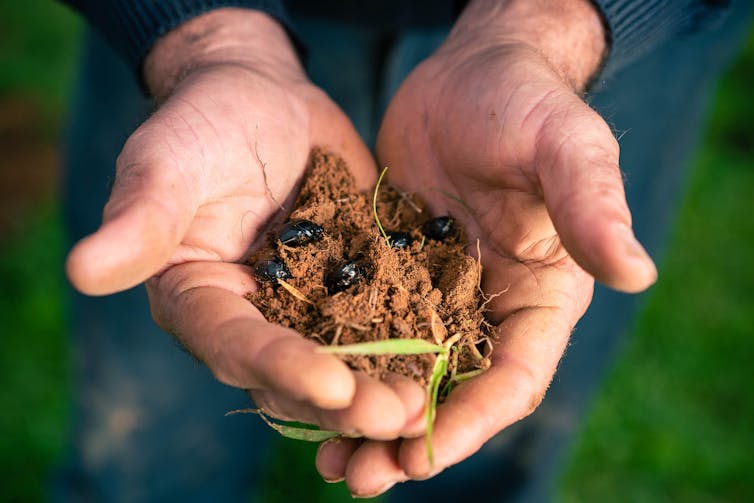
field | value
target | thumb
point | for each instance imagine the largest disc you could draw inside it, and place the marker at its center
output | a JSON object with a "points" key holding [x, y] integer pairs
{"points": [[577, 163], [148, 213]]}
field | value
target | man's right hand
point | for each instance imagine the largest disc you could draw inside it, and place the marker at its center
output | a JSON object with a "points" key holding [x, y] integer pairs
{"points": [[493, 119], [195, 186]]}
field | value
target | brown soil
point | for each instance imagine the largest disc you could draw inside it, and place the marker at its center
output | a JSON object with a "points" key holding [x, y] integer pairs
{"points": [[428, 290]]}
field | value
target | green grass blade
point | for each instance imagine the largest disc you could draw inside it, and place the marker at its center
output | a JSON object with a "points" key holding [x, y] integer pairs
{"points": [[465, 376], [433, 389], [445, 391], [301, 431], [386, 347], [306, 434], [458, 378], [374, 206]]}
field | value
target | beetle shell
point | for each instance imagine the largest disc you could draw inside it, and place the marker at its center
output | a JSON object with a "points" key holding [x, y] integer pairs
{"points": [[270, 270], [300, 233], [344, 275], [399, 239], [440, 228]]}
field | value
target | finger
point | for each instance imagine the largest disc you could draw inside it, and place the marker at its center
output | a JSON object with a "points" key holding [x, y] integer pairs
{"points": [[150, 208], [413, 398], [531, 343], [202, 304], [384, 410], [332, 457], [375, 410], [577, 163], [373, 469]]}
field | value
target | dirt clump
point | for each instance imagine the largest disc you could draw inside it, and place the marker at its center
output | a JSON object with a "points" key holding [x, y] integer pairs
{"points": [[351, 287]]}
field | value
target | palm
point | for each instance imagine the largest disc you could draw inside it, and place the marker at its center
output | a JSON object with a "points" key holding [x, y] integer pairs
{"points": [[238, 143], [484, 152], [196, 185], [495, 138]]}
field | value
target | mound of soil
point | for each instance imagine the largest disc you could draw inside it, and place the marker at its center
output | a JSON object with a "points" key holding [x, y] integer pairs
{"points": [[428, 289]]}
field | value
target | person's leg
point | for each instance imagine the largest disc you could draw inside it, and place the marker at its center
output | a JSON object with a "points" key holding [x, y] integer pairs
{"points": [[661, 102], [147, 421]]}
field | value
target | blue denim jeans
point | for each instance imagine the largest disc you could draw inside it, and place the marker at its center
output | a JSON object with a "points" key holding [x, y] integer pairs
{"points": [[147, 420]]}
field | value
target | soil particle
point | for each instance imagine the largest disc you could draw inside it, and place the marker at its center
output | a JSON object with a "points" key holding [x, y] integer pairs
{"points": [[427, 289]]}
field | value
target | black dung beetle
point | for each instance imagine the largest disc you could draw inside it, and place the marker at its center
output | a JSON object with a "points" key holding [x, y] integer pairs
{"points": [[344, 275], [300, 233], [439, 228], [269, 270], [399, 239]]}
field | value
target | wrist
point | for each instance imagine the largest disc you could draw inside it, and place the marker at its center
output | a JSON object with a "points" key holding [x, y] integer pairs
{"points": [[229, 36], [568, 34]]}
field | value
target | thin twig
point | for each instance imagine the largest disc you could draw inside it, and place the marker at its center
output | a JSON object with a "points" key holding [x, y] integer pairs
{"points": [[355, 326], [374, 207], [407, 198], [465, 376], [336, 337], [479, 267], [452, 340], [436, 335], [474, 350], [491, 297], [295, 292]]}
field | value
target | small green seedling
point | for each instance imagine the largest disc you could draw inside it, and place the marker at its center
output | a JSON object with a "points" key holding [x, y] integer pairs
{"points": [[311, 433], [387, 347], [433, 395], [409, 347], [374, 207], [294, 291], [445, 349], [296, 431]]}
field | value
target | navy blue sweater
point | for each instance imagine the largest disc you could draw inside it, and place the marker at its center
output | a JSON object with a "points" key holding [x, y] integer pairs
{"points": [[634, 26]]}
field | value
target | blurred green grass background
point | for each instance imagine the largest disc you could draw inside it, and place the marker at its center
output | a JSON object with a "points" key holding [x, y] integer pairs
{"points": [[674, 421]]}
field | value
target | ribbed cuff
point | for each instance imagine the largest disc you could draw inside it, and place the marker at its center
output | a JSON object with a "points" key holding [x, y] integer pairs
{"points": [[133, 26], [637, 26]]}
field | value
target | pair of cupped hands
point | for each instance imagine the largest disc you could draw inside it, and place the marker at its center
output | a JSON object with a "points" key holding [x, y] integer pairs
{"points": [[494, 120]]}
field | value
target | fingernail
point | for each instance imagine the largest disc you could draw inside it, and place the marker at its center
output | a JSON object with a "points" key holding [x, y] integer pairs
{"points": [[429, 474], [328, 442], [373, 494], [638, 253], [324, 445], [334, 481]]}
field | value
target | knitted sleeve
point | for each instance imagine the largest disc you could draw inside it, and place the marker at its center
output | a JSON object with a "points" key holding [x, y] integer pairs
{"points": [[133, 26], [636, 26]]}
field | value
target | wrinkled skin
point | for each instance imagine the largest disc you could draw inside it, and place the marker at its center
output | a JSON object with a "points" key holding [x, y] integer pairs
{"points": [[494, 125], [196, 184], [498, 129]]}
